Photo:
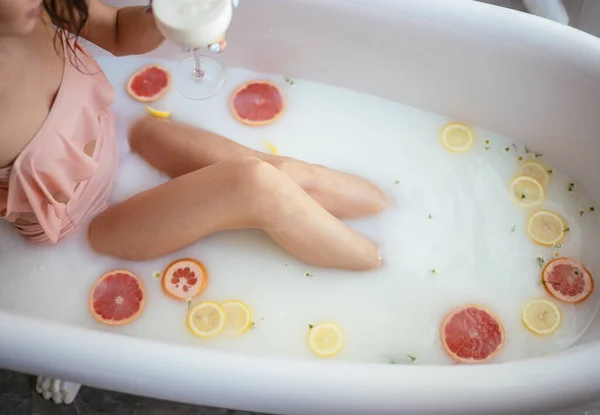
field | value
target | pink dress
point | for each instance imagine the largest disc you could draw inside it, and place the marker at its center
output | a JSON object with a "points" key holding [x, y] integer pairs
{"points": [[53, 185]]}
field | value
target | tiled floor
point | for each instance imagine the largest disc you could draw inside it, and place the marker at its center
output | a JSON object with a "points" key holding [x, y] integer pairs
{"points": [[18, 397]]}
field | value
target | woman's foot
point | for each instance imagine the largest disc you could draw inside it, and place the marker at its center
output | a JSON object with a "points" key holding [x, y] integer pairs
{"points": [[177, 149]]}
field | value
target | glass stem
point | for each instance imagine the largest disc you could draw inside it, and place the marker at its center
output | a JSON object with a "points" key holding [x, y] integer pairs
{"points": [[198, 73]]}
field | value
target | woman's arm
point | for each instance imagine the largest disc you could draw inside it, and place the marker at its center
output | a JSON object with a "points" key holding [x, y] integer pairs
{"points": [[124, 31]]}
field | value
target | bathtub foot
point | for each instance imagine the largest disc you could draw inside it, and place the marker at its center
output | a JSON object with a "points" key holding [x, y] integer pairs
{"points": [[59, 391]]}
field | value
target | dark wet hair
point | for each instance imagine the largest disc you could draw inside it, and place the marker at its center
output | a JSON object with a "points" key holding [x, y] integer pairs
{"points": [[70, 16]]}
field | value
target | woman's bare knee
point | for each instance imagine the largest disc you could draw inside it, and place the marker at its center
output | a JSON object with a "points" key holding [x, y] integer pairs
{"points": [[266, 187]]}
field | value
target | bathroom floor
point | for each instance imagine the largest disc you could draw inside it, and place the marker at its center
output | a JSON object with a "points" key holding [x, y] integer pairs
{"points": [[18, 397]]}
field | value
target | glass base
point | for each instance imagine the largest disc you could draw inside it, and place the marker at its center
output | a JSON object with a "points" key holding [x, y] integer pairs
{"points": [[201, 86]]}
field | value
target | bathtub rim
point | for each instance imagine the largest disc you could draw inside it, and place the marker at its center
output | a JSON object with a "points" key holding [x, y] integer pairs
{"points": [[281, 385]]}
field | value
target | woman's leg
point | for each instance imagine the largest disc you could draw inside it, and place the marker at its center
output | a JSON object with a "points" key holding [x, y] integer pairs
{"points": [[178, 149], [233, 194]]}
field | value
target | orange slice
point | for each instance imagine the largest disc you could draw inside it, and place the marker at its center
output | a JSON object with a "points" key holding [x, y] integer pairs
{"points": [[185, 278]]}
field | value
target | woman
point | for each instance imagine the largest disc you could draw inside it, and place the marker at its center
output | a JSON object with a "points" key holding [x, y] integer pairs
{"points": [[58, 148]]}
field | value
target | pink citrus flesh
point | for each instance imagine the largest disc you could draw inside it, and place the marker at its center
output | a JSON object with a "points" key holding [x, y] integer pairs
{"points": [[472, 334], [117, 298], [257, 103], [185, 278], [567, 280], [149, 83]]}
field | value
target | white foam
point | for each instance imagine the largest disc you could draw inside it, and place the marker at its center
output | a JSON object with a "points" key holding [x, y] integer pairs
{"points": [[385, 314]]}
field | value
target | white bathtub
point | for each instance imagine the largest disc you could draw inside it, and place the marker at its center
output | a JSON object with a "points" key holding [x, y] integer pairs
{"points": [[515, 74]]}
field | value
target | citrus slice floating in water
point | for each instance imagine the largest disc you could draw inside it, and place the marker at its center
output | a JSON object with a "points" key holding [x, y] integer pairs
{"points": [[325, 339], [149, 83], [536, 170], [185, 278], [458, 138], [206, 319], [239, 316], [472, 334], [157, 113], [257, 103], [117, 298], [272, 148], [567, 280], [546, 228], [527, 191], [541, 317]]}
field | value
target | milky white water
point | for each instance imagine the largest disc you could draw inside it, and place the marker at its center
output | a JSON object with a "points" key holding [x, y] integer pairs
{"points": [[451, 214]]}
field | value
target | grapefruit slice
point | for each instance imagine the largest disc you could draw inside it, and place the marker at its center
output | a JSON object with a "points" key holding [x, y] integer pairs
{"points": [[567, 280], [149, 83], [472, 334], [185, 278], [117, 298], [257, 103]]}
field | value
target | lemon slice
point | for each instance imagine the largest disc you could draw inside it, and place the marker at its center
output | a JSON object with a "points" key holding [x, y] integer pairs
{"points": [[546, 228], [541, 317], [273, 149], [457, 138], [239, 317], [325, 339], [206, 319], [157, 113], [527, 191], [536, 170]]}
